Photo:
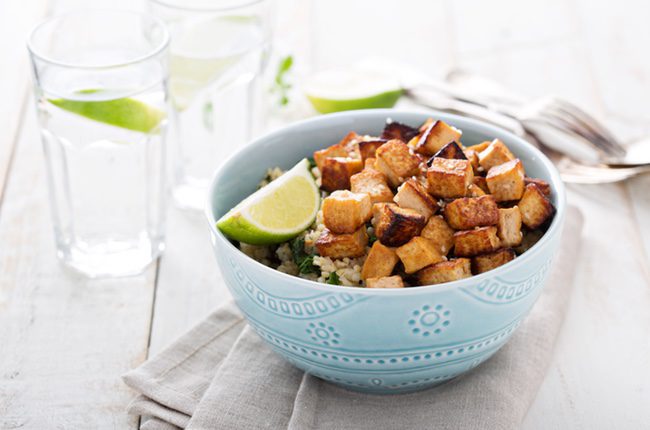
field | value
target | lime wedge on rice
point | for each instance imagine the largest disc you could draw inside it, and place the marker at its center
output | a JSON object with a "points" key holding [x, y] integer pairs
{"points": [[123, 112], [276, 213], [349, 89]]}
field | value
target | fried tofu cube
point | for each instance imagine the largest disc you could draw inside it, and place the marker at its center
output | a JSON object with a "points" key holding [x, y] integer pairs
{"points": [[474, 191], [470, 212], [396, 161], [506, 181], [413, 195], [385, 282], [479, 147], [345, 211], [438, 231], [472, 156], [481, 182], [347, 147], [449, 178], [336, 172], [483, 263], [396, 130], [445, 271], [535, 207], [419, 252], [509, 227], [369, 163], [496, 153], [367, 148], [435, 136], [342, 245], [373, 183], [468, 243], [380, 262], [543, 186], [394, 226], [451, 150]]}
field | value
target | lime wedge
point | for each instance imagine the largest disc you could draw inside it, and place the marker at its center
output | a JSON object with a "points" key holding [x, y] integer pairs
{"points": [[276, 213], [339, 90], [123, 112]]}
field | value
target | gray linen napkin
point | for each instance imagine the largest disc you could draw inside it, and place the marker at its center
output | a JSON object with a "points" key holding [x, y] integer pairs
{"points": [[220, 375]]}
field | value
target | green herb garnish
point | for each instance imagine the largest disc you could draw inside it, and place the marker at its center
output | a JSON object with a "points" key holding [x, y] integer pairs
{"points": [[372, 238], [312, 162], [334, 279], [281, 86], [304, 261]]}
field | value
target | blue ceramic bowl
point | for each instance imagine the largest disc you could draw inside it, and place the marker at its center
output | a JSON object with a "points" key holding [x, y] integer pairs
{"points": [[376, 340]]}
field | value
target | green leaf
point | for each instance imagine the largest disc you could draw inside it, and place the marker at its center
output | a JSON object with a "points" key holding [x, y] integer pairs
{"points": [[334, 279], [372, 238], [304, 261], [281, 86]]}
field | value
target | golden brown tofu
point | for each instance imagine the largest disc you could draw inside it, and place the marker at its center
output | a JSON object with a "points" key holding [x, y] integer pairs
{"points": [[367, 148], [396, 130], [336, 172], [438, 231], [496, 153], [373, 183], [380, 262], [472, 156], [369, 163], [475, 191], [445, 271], [347, 147], [535, 207], [543, 186], [485, 262], [470, 212], [506, 181], [481, 182], [342, 245], [435, 136], [394, 226], [396, 161], [451, 150], [385, 282], [481, 240], [509, 227], [419, 252], [426, 124], [479, 146], [413, 195], [449, 178], [345, 211]]}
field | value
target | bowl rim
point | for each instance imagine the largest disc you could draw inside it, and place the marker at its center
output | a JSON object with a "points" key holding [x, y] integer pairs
{"points": [[555, 228]]}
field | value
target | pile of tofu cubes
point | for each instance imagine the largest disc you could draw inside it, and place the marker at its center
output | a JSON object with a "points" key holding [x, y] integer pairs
{"points": [[440, 211]]}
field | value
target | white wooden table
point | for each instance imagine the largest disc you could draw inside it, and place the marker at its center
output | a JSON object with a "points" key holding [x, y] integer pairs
{"points": [[65, 341]]}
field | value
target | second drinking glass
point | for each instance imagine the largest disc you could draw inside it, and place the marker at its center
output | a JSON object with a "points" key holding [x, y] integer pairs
{"points": [[218, 50]]}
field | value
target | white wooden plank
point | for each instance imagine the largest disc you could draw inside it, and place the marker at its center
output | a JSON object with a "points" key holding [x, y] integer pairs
{"points": [[189, 283], [16, 19], [410, 31], [64, 340], [492, 26], [616, 38], [599, 377]]}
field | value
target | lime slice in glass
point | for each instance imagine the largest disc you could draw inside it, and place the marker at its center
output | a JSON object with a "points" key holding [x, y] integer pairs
{"points": [[348, 89], [123, 112], [276, 213]]}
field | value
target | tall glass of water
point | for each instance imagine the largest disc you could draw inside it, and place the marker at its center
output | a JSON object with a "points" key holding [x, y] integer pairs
{"points": [[218, 49], [100, 83]]}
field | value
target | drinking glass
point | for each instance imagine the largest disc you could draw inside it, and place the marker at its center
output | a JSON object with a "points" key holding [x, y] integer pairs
{"points": [[218, 50], [100, 83]]}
